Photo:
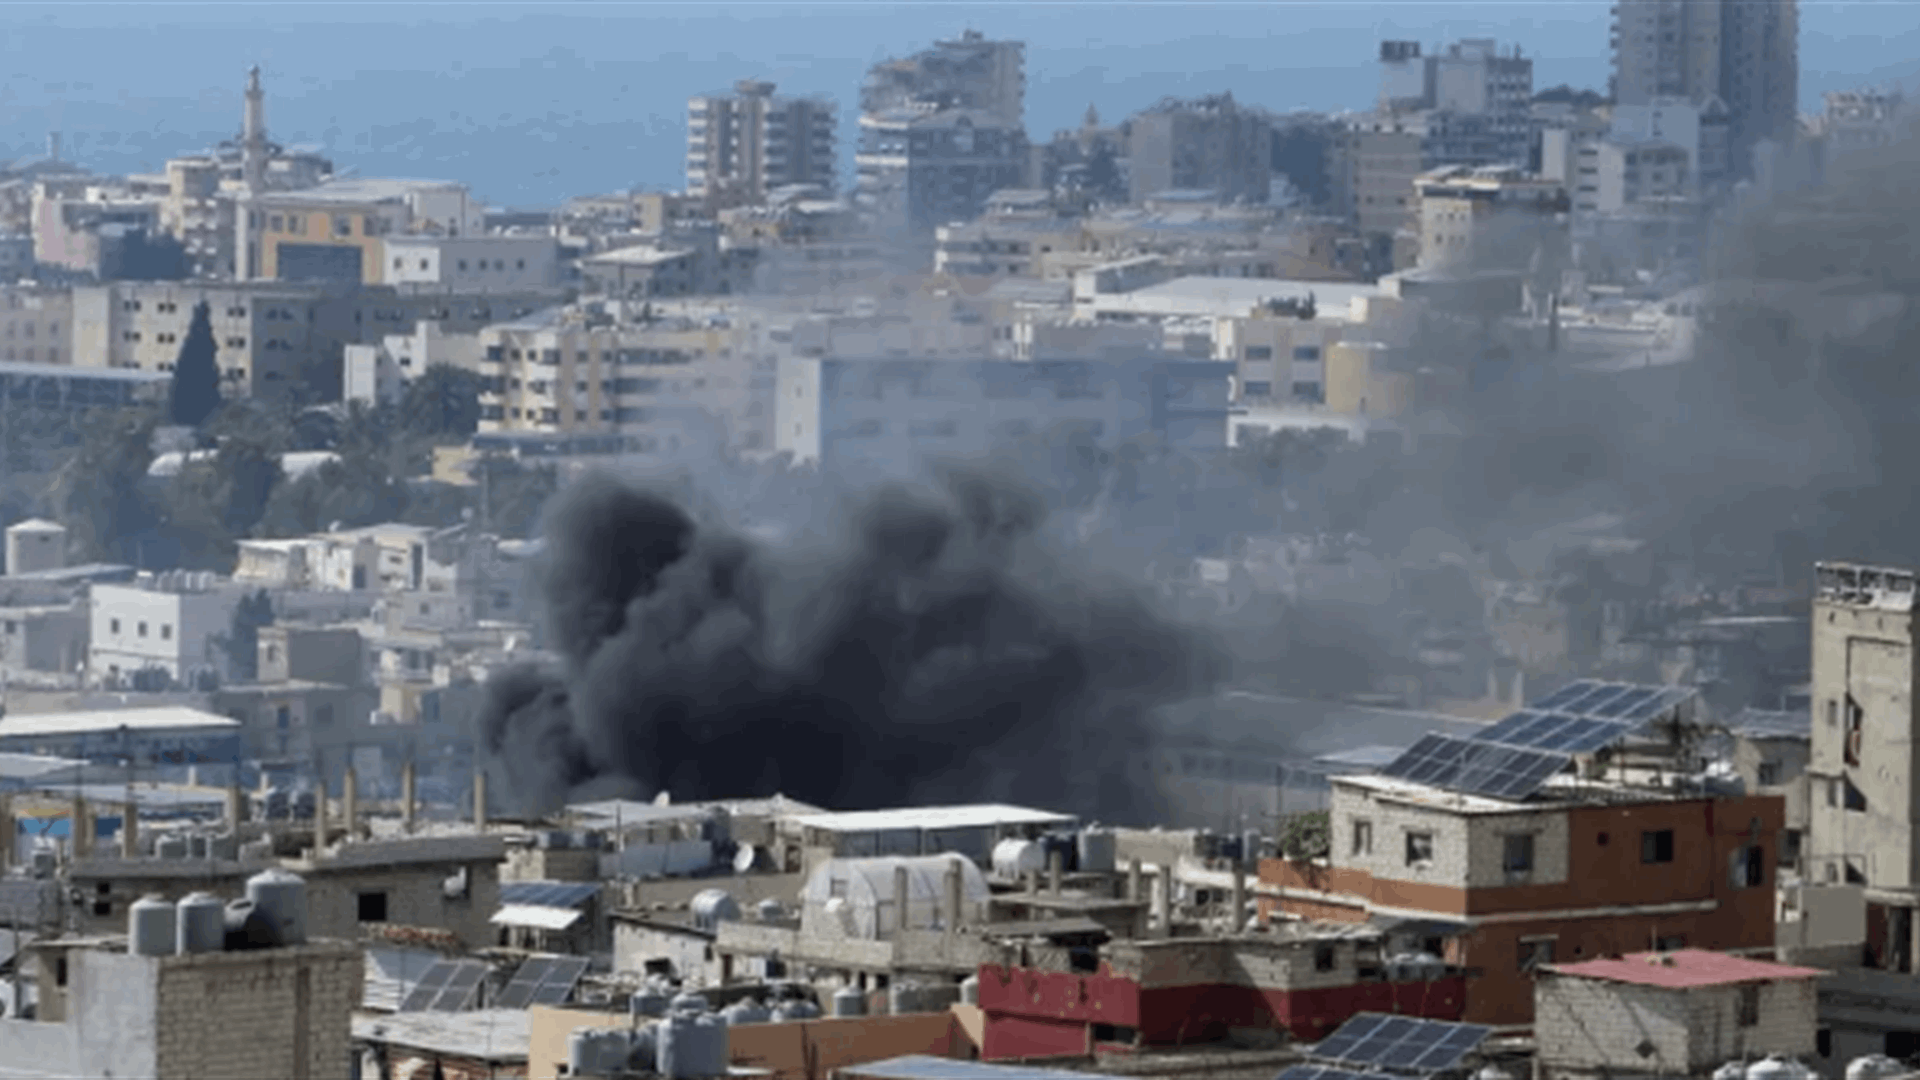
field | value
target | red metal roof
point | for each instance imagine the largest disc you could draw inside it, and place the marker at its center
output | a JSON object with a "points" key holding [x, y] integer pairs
{"points": [[1684, 969]]}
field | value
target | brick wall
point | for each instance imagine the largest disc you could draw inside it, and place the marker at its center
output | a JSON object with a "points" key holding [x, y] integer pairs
{"points": [[283, 1013], [1468, 850], [1589, 1025], [415, 897]]}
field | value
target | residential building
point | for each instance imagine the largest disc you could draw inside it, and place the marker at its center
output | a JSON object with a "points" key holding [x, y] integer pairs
{"points": [[1770, 751], [920, 169], [1682, 1013], [36, 324], [380, 374], [1470, 77], [170, 735], [336, 232], [170, 627], [1373, 164], [969, 72], [692, 261], [48, 639], [743, 145], [472, 265], [1207, 144], [1015, 248], [887, 414], [226, 1015], [1493, 218], [1744, 54], [1701, 130], [1860, 121], [100, 231], [1565, 867], [1279, 355]]}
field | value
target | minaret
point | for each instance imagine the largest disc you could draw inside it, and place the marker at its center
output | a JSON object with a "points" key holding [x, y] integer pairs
{"points": [[253, 135]]}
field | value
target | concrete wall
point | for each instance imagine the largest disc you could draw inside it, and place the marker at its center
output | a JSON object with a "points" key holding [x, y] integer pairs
{"points": [[1865, 653], [692, 954], [784, 1049], [414, 898], [179, 629], [118, 994], [284, 1013], [1588, 1025]]}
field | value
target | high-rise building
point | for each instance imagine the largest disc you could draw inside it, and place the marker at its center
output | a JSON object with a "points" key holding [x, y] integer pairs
{"points": [[968, 73], [919, 170], [1470, 76], [742, 145], [1743, 52], [1209, 144]]}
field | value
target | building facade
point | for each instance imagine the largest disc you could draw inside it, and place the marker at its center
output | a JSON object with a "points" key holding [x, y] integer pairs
{"points": [[1493, 218], [1208, 144], [1744, 54], [743, 145], [968, 72], [336, 232], [175, 630], [918, 170]]}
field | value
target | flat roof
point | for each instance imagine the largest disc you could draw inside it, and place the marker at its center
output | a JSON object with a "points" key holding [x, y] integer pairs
{"points": [[29, 766], [360, 191], [75, 372], [1683, 969], [164, 718], [639, 255], [930, 817], [485, 1034], [926, 1067]]}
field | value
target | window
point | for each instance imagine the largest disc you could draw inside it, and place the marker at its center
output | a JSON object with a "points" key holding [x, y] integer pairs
{"points": [[1535, 953], [143, 630], [1259, 389], [1769, 773], [1518, 855], [1656, 846], [115, 625], [1419, 848], [373, 907], [1306, 352], [166, 631], [1323, 957], [1670, 944], [1363, 837], [1750, 1005], [1259, 352], [1855, 716], [1749, 870]]}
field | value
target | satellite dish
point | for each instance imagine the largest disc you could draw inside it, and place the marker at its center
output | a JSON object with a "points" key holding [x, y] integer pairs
{"points": [[743, 859]]}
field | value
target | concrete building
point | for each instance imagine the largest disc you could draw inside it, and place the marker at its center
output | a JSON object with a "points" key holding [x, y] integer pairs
{"points": [[1770, 751], [1484, 219], [1373, 163], [888, 414], [1699, 129], [48, 639], [1470, 76], [473, 265], [35, 546], [1207, 144], [743, 145], [336, 232], [36, 324], [380, 373], [968, 72], [694, 261], [231, 1015], [917, 169], [171, 629], [1744, 54], [1579, 868], [154, 736], [1681, 1013]]}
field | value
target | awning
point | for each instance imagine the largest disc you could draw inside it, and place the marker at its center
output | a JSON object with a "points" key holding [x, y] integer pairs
{"points": [[536, 916], [1440, 928]]}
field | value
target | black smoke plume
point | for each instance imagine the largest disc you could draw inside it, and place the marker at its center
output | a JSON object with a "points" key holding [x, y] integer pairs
{"points": [[929, 651]]}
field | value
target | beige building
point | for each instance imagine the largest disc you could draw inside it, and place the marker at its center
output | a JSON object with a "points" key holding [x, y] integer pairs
{"points": [[336, 232], [743, 145], [1493, 217], [1374, 162], [36, 324]]}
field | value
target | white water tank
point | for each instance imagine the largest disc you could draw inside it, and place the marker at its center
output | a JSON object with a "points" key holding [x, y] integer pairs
{"points": [[713, 907], [1732, 1070], [1015, 859], [849, 1001], [200, 924], [970, 990], [150, 927], [1096, 851], [282, 898], [770, 910], [692, 1047], [688, 1002], [596, 1051], [1875, 1067], [903, 998], [643, 1048], [170, 847], [1493, 1072], [648, 1001], [1775, 1067], [746, 1011]]}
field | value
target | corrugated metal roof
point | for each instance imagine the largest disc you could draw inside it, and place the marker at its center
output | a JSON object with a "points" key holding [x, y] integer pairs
{"points": [[931, 817], [536, 916], [168, 718], [1684, 969]]}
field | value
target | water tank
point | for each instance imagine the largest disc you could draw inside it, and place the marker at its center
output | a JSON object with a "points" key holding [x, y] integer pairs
{"points": [[200, 924], [282, 898], [596, 1051], [197, 845], [643, 1048], [224, 846], [970, 990], [771, 910], [170, 847], [1493, 1072], [150, 929], [1015, 859], [648, 1001], [788, 1011], [713, 907], [248, 927], [1775, 1067], [45, 862], [688, 1002], [904, 998], [1096, 851], [849, 1001], [1732, 1070], [1875, 1067], [692, 1047], [746, 1011]]}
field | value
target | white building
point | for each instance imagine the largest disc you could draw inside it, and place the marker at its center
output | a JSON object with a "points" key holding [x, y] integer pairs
{"points": [[874, 899], [379, 373], [34, 546], [173, 624], [469, 264]]}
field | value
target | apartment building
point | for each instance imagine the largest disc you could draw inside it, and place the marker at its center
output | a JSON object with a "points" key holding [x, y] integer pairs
{"points": [[1746, 54], [968, 72], [380, 373], [1701, 130], [1373, 163], [1492, 218], [674, 382], [1207, 144], [1279, 356], [743, 145], [918, 170], [473, 264], [1470, 76], [172, 625], [336, 232], [36, 324], [1002, 248], [1537, 866], [884, 415]]}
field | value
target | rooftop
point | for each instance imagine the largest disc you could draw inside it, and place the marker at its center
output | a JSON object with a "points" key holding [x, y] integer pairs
{"points": [[19, 370], [1684, 969], [924, 1067], [640, 255], [361, 191], [979, 816], [498, 1035], [170, 718]]}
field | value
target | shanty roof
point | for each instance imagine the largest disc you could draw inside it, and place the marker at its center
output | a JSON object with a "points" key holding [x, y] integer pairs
{"points": [[536, 916], [168, 718], [983, 815], [1684, 969]]}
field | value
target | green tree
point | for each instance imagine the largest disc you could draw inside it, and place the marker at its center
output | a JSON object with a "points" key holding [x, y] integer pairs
{"points": [[444, 402], [196, 372], [1308, 836], [99, 493], [241, 642]]}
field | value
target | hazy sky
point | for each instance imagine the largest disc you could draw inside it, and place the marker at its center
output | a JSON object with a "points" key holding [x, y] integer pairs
{"points": [[531, 102]]}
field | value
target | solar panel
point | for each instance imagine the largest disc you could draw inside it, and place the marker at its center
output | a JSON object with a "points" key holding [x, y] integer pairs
{"points": [[1570, 692], [1399, 1044], [1476, 767], [518, 993], [434, 980], [1565, 732], [462, 987], [559, 894], [560, 978], [1325, 1072]]}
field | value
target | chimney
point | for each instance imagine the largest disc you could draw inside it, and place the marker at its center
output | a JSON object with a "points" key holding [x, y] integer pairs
{"points": [[953, 898], [1133, 881], [130, 831], [1056, 866], [406, 797], [1163, 901], [236, 806], [81, 829], [350, 804], [480, 798], [899, 899], [1237, 920], [319, 814]]}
